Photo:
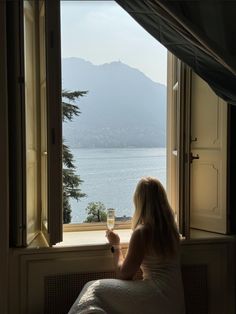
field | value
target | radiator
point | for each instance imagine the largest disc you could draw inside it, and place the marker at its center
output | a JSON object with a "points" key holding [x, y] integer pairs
{"points": [[61, 290]]}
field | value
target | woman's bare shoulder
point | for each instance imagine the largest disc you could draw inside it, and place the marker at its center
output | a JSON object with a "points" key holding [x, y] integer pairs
{"points": [[143, 230], [143, 227]]}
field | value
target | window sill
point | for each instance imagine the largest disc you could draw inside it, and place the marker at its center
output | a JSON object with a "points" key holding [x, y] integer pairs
{"points": [[95, 238], [83, 238], [94, 226]]}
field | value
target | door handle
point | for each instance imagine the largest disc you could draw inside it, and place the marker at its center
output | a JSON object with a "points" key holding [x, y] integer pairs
{"points": [[192, 157], [193, 139]]}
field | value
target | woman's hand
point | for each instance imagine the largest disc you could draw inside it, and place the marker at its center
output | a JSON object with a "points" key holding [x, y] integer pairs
{"points": [[112, 237]]}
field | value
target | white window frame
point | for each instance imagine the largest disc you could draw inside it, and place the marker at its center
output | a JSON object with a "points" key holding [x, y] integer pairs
{"points": [[53, 230], [178, 129]]}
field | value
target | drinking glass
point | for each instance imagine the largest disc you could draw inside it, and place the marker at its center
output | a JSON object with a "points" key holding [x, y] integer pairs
{"points": [[110, 218]]}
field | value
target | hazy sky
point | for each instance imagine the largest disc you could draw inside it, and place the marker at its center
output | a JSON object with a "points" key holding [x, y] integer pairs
{"points": [[102, 32]]}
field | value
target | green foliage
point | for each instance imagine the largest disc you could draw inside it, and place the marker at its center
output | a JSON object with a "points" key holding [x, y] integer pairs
{"points": [[71, 181], [70, 109], [96, 212]]}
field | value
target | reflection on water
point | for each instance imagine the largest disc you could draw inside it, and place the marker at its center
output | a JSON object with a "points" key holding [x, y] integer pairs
{"points": [[110, 176]]}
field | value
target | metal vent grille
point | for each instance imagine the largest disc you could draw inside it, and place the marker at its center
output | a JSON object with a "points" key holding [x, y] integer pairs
{"points": [[61, 290]]}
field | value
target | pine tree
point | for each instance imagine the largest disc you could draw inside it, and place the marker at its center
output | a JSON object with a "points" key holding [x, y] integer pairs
{"points": [[71, 181], [96, 212]]}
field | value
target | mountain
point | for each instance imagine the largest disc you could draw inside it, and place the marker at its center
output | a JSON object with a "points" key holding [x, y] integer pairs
{"points": [[123, 107]]}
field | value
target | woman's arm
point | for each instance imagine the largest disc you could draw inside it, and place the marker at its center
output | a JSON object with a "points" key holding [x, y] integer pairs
{"points": [[127, 267]]}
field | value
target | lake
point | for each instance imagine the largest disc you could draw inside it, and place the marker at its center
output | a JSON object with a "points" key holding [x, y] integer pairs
{"points": [[110, 176]]}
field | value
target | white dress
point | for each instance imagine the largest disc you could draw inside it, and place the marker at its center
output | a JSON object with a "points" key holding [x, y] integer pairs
{"points": [[160, 292]]}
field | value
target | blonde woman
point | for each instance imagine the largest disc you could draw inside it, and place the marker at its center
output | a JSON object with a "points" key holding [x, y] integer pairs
{"points": [[153, 247]]}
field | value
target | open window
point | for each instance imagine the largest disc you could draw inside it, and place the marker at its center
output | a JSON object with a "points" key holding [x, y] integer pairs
{"points": [[196, 134], [197, 151], [196, 173], [51, 115], [43, 119], [120, 133], [35, 77]]}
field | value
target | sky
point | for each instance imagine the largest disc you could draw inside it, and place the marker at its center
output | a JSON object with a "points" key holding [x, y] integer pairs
{"points": [[102, 32]]}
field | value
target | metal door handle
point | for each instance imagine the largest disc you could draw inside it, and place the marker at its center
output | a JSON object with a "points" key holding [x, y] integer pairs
{"points": [[192, 157], [193, 139]]}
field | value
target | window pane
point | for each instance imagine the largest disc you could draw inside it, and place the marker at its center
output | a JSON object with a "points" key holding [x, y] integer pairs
{"points": [[43, 108], [51, 125], [31, 122]]}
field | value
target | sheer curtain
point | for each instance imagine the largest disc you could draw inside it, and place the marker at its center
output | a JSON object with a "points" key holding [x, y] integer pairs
{"points": [[200, 33]]}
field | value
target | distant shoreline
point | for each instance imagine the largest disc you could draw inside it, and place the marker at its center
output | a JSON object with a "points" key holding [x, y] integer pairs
{"points": [[118, 147]]}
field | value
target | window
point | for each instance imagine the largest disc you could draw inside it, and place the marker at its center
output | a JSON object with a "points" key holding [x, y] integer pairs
{"points": [[37, 115], [120, 133], [31, 122], [197, 157], [196, 148]]}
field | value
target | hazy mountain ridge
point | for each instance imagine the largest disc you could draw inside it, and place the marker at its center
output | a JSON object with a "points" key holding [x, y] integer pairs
{"points": [[123, 107]]}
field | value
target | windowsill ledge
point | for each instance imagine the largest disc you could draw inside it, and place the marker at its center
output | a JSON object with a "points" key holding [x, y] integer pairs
{"points": [[95, 238], [83, 238]]}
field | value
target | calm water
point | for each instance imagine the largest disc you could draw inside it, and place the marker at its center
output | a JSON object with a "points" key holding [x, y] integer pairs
{"points": [[110, 176]]}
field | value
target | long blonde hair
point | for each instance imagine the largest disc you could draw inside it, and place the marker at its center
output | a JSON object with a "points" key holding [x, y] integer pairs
{"points": [[153, 209]]}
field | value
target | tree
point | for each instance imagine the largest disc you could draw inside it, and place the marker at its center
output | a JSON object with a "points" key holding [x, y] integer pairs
{"points": [[96, 212], [71, 181]]}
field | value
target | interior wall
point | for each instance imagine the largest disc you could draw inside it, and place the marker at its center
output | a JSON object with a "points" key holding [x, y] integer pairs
{"points": [[232, 170], [3, 166], [42, 275]]}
